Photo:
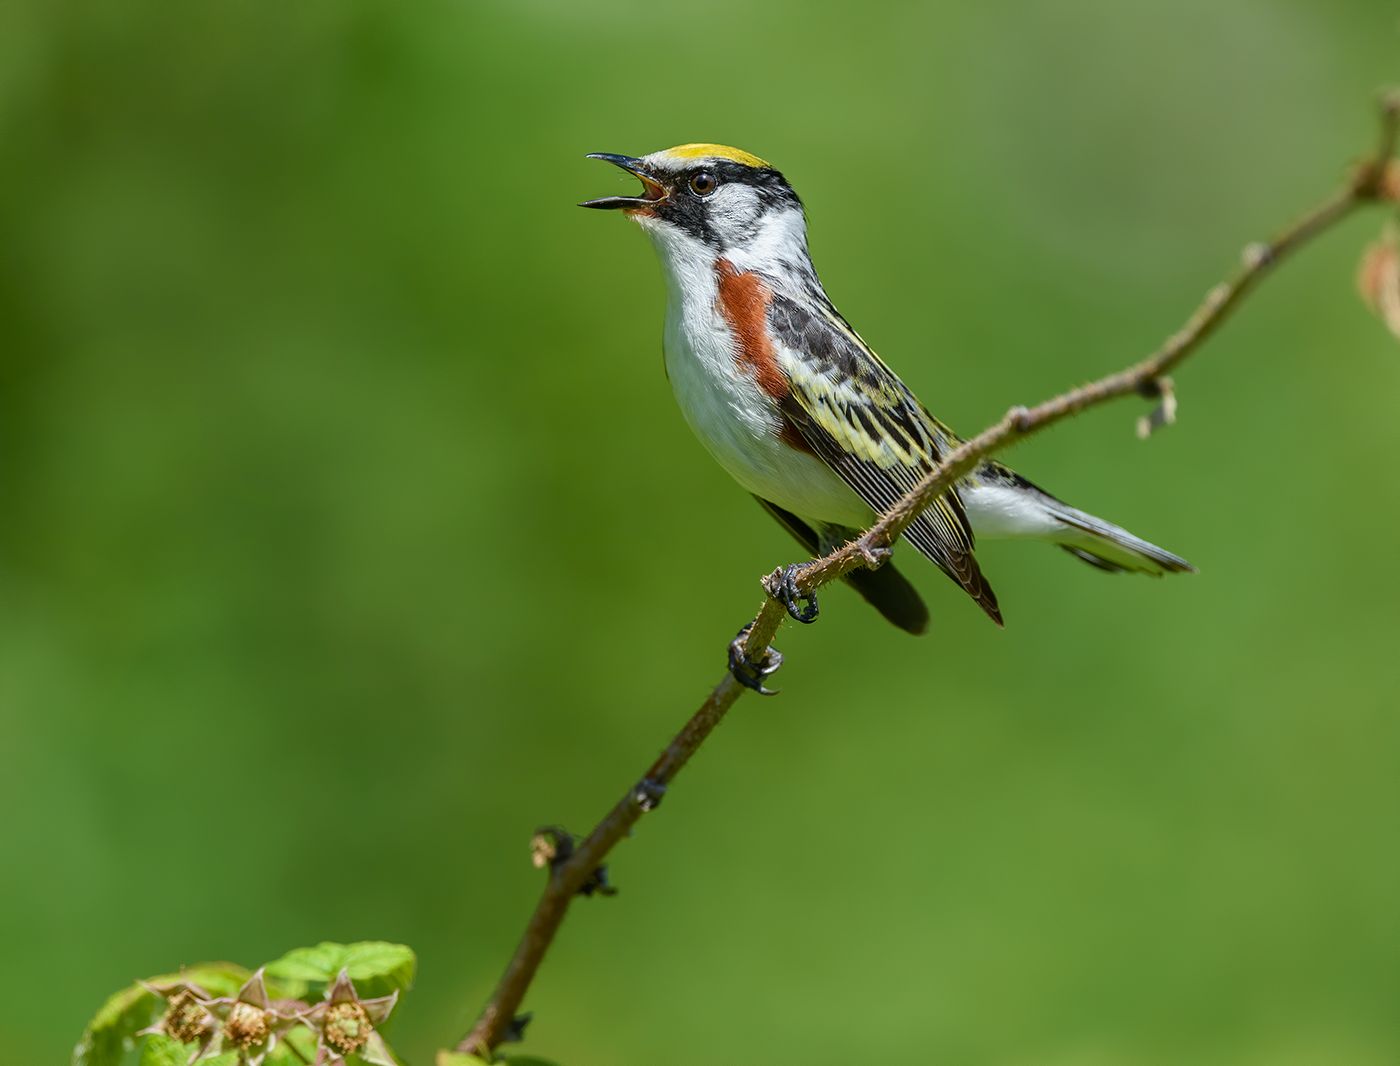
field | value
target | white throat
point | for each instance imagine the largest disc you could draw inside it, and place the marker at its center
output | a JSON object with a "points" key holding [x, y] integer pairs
{"points": [[776, 247], [735, 420]]}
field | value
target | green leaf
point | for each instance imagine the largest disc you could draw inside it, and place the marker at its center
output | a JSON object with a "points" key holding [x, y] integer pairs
{"points": [[309, 965], [162, 1050], [376, 967], [216, 978], [113, 1028], [298, 1046], [456, 1058]]}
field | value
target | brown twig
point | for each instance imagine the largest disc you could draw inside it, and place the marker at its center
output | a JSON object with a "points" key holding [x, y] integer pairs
{"points": [[567, 878], [1369, 182]]}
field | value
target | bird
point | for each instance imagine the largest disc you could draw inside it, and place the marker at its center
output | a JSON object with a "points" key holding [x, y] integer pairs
{"points": [[801, 412]]}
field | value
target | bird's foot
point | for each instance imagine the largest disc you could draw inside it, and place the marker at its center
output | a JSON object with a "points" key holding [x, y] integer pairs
{"points": [[782, 586], [748, 673]]}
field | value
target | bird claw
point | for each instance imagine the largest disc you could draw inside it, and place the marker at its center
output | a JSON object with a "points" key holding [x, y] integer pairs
{"points": [[782, 586], [748, 673]]}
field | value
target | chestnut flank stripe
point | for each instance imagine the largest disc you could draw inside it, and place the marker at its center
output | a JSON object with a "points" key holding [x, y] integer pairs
{"points": [[743, 300]]}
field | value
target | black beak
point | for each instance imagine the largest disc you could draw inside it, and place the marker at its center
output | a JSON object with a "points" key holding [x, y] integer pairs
{"points": [[653, 192]]}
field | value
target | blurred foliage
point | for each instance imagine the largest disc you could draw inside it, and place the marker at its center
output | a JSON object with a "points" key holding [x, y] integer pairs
{"points": [[376, 968], [117, 1032], [350, 531], [111, 1033]]}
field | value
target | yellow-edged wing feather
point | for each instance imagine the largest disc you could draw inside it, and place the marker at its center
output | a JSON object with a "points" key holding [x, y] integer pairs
{"points": [[858, 417]]}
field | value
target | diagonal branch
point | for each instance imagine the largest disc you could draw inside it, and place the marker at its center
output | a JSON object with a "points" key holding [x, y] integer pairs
{"points": [[1375, 179], [1147, 378]]}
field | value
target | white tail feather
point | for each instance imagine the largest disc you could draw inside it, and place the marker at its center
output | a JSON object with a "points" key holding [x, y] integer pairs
{"points": [[1107, 543], [1013, 507]]}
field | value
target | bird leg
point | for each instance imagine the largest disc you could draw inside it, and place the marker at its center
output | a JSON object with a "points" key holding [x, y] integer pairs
{"points": [[782, 586], [748, 673]]}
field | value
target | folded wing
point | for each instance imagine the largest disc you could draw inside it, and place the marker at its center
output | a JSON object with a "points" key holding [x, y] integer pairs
{"points": [[859, 418]]}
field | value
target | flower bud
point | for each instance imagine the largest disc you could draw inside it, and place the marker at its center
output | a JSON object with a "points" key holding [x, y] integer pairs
{"points": [[246, 1026], [186, 1018], [347, 1027], [1378, 279]]}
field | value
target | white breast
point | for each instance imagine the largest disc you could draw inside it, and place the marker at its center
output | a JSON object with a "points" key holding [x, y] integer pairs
{"points": [[735, 420]]}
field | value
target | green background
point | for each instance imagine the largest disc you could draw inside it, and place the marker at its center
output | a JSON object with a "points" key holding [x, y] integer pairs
{"points": [[350, 532]]}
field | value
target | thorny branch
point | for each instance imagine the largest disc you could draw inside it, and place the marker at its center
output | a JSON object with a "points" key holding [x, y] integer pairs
{"points": [[1376, 179]]}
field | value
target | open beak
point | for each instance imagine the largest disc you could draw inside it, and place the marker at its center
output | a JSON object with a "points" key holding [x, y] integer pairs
{"points": [[653, 192]]}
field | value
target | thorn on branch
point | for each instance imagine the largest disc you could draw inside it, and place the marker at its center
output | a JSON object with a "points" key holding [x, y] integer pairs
{"points": [[1257, 254], [746, 671], [598, 884], [515, 1031], [1164, 413], [553, 846], [781, 584], [648, 794]]}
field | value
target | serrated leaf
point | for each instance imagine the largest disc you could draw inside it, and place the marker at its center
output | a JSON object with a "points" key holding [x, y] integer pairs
{"points": [[110, 1033], [376, 967], [309, 965]]}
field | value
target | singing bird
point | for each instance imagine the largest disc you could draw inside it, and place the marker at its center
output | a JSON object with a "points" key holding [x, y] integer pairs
{"points": [[799, 410]]}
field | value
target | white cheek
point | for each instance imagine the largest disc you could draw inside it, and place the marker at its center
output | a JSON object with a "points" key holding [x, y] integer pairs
{"points": [[733, 210], [782, 237]]}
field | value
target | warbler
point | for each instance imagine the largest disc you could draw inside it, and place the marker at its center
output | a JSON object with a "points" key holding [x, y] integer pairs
{"points": [[799, 410]]}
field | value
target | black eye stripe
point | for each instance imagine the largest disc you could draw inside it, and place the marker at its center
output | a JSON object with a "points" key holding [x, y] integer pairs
{"points": [[690, 211], [771, 186]]}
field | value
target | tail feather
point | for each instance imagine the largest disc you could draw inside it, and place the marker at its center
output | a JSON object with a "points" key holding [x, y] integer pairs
{"points": [[1098, 562], [1112, 547], [1003, 503]]}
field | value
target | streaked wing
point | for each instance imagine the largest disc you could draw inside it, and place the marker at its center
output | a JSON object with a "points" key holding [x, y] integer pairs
{"points": [[859, 418]]}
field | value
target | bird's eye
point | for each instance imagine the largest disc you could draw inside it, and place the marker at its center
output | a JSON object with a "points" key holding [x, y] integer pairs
{"points": [[703, 183]]}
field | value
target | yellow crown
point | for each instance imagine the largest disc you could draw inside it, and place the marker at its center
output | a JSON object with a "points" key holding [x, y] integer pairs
{"points": [[715, 151]]}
